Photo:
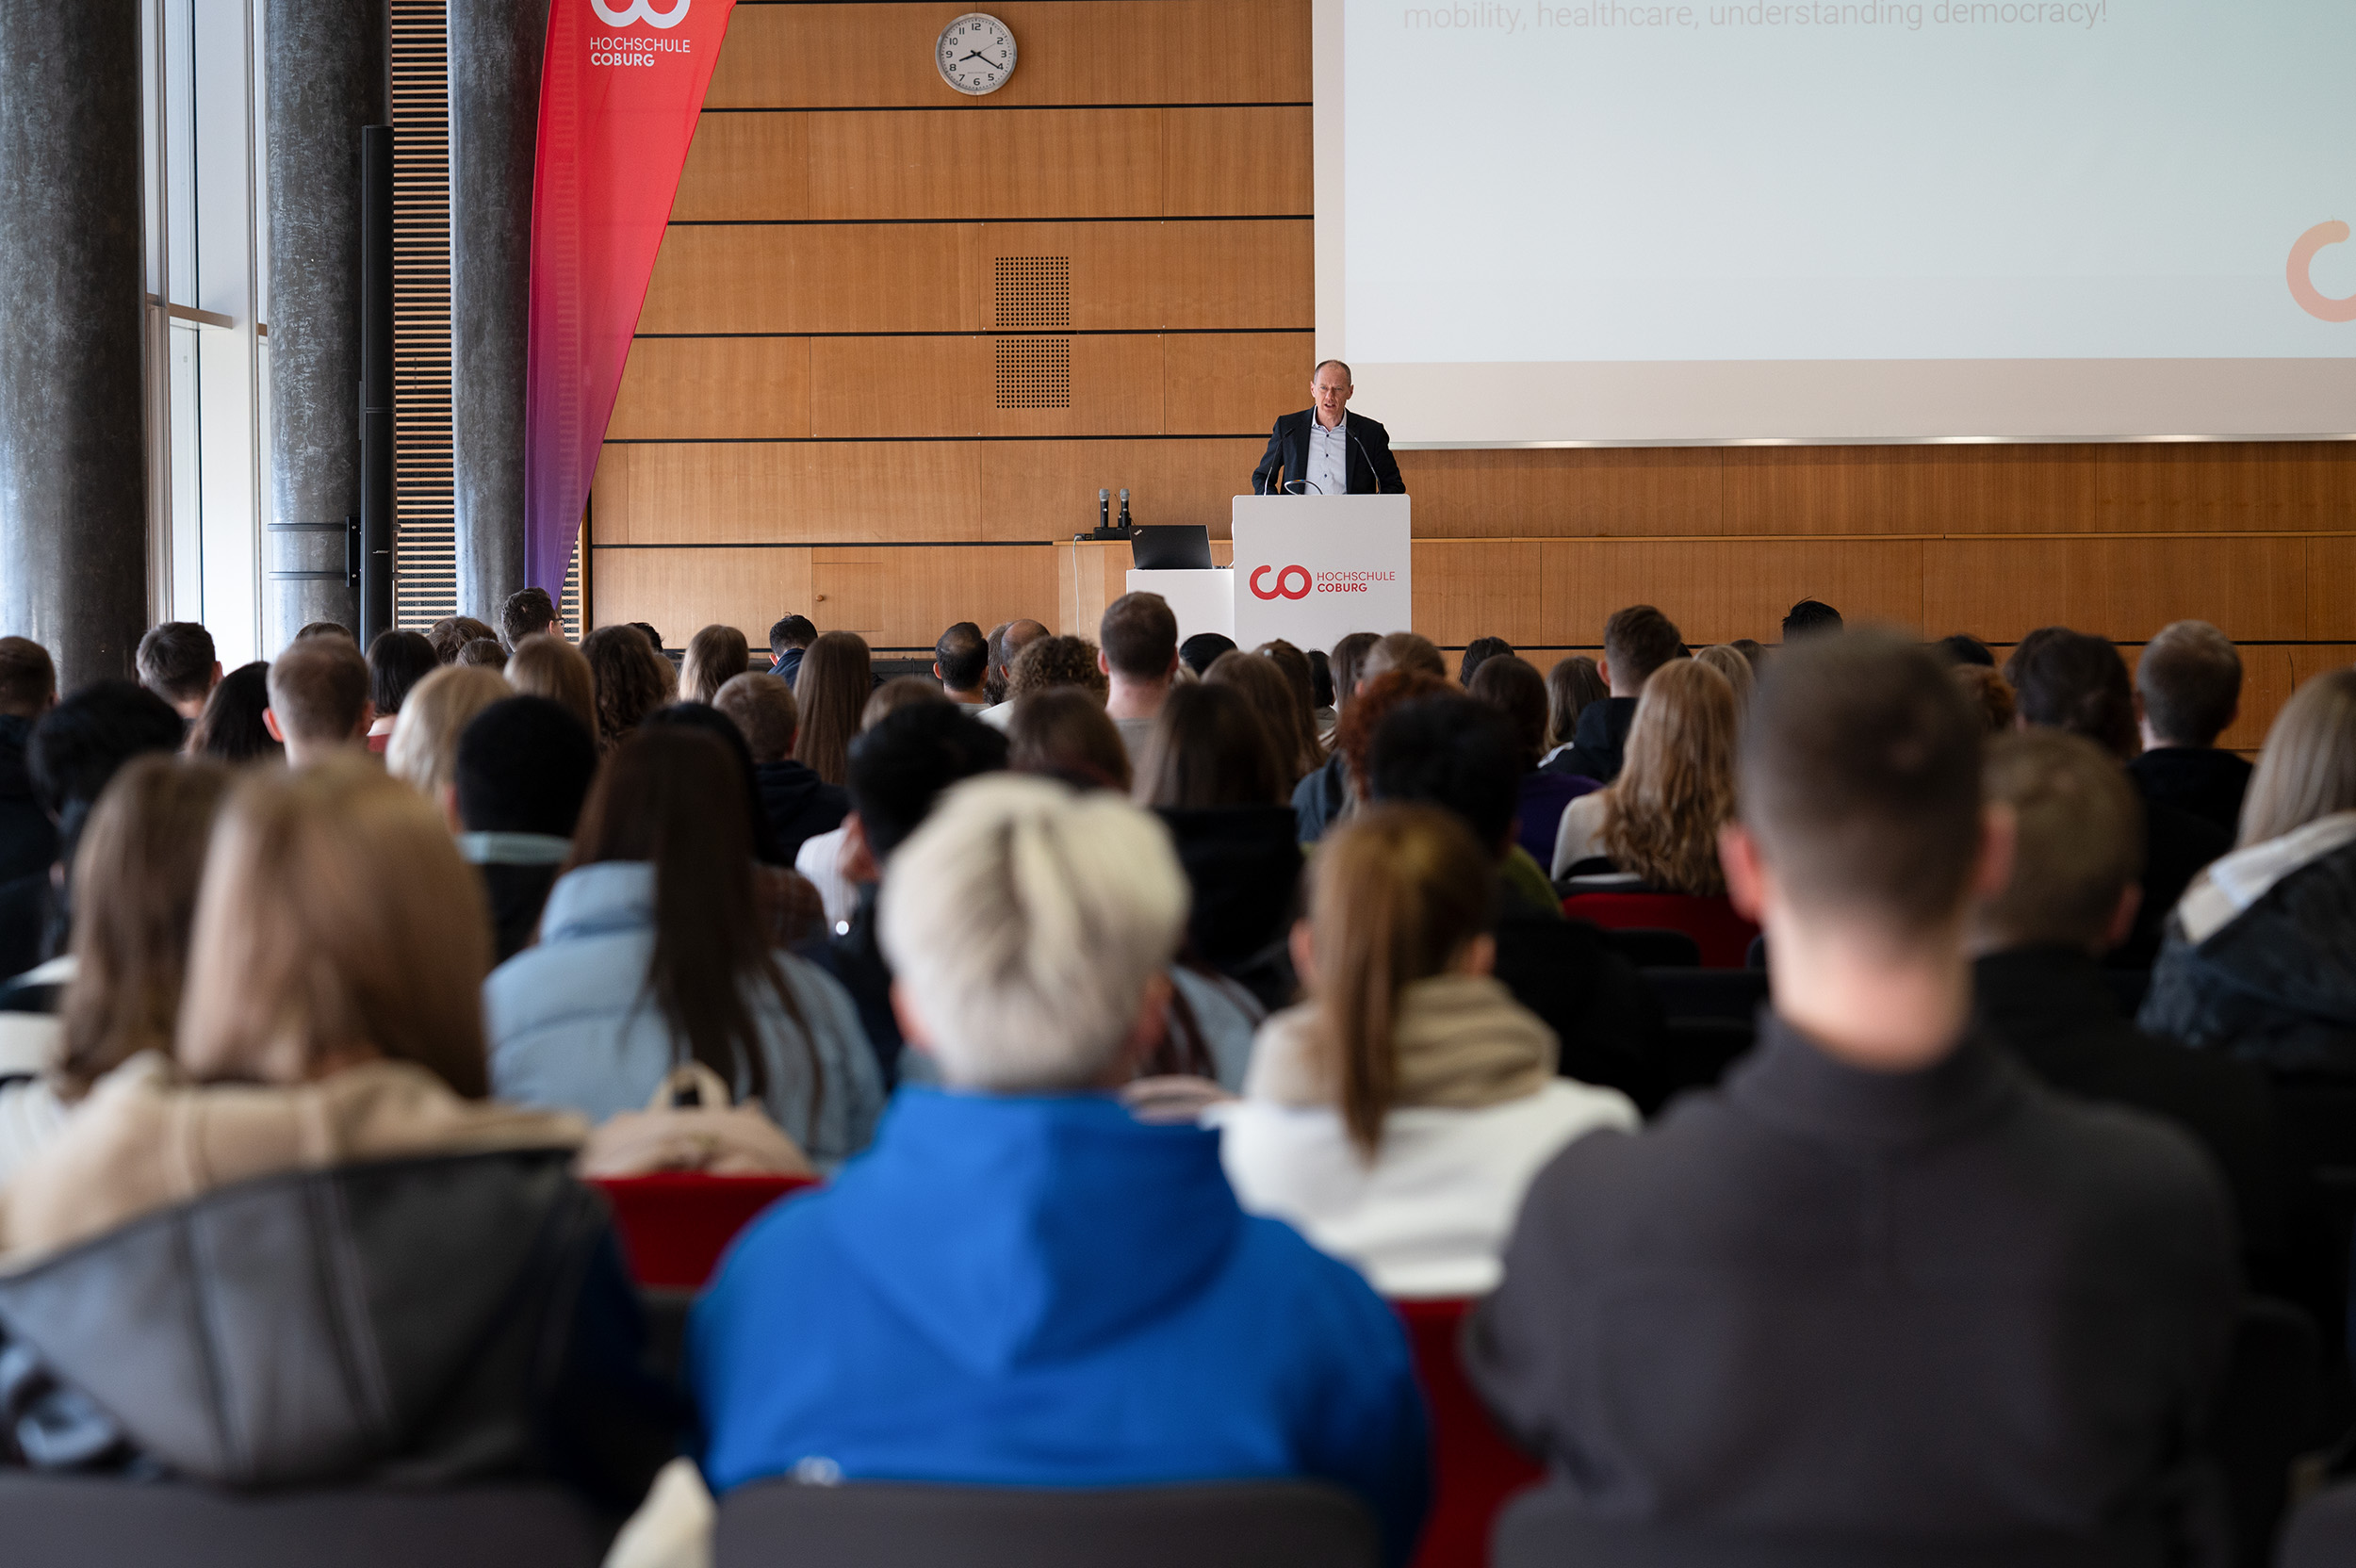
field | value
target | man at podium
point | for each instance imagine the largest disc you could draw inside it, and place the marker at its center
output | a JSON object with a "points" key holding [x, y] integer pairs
{"points": [[1322, 450]]}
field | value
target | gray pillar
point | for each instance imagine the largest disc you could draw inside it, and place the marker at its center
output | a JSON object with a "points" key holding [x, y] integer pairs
{"points": [[326, 76], [72, 458], [494, 50]]}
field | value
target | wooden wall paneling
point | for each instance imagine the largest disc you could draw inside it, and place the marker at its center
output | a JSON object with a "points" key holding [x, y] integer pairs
{"points": [[1561, 491], [1221, 163], [997, 163], [944, 387], [1090, 574], [1230, 383], [1111, 52], [2212, 486], [1718, 590], [714, 388], [1998, 589], [2269, 675], [818, 278], [682, 590], [903, 599], [1226, 277], [2313, 658], [1117, 384], [744, 167], [1047, 489], [2329, 574], [2119, 587], [1478, 588], [746, 492]]}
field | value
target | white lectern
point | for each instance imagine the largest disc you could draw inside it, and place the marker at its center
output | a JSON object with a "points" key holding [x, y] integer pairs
{"points": [[1312, 569]]}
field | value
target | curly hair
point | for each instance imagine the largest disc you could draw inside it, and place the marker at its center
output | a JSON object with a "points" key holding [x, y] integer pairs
{"points": [[1661, 816], [1057, 660], [631, 679]]}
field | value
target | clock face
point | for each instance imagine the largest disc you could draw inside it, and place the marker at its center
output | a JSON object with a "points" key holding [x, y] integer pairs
{"points": [[976, 54]]}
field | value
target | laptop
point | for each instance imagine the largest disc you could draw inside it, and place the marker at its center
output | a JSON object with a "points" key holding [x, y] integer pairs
{"points": [[1170, 547]]}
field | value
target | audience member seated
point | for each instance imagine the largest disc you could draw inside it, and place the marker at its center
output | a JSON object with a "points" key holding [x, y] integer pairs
{"points": [[1961, 648], [337, 628], [135, 882], [1735, 665], [232, 728], [715, 656], [452, 632], [528, 612], [1202, 650], [2261, 955], [1477, 653], [1660, 819], [484, 653], [2071, 897], [176, 661], [824, 858], [1048, 660], [1325, 711], [1347, 665], [1323, 798], [28, 689], [2064, 679], [1397, 1116], [1810, 618], [652, 951], [1636, 641], [789, 639], [1989, 695], [830, 690], [630, 677], [397, 662], [331, 1047], [1138, 638], [798, 804], [424, 751], [1256, 678], [1022, 1285], [1006, 645], [654, 640], [319, 699], [1514, 688], [2187, 693], [960, 663], [1881, 1284], [1301, 675], [1571, 685], [523, 769], [1065, 733], [546, 665], [1448, 751]]}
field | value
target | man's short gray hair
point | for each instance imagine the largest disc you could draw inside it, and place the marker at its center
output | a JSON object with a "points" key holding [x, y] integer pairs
{"points": [[1024, 922]]}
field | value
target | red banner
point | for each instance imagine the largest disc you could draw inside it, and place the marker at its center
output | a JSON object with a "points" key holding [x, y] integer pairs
{"points": [[620, 90]]}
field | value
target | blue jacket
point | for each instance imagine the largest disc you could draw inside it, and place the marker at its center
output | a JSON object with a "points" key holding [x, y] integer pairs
{"points": [[572, 1024], [1046, 1292]]}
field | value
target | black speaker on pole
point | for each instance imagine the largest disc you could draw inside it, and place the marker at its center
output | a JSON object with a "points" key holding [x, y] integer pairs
{"points": [[376, 381]]}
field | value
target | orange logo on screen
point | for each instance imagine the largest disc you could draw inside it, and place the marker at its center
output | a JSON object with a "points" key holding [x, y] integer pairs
{"points": [[2303, 285], [1284, 583]]}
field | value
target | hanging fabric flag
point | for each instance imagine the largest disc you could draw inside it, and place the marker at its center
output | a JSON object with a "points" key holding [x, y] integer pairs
{"points": [[620, 89]]}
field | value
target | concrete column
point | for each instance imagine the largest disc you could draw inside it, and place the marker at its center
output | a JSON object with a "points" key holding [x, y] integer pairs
{"points": [[494, 50], [326, 77], [72, 458]]}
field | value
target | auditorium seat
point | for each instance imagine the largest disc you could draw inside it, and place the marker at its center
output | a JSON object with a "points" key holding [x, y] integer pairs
{"points": [[783, 1523], [2265, 1419], [1723, 935], [2322, 1534], [1474, 1468], [1735, 994], [675, 1225], [1649, 948], [49, 1521]]}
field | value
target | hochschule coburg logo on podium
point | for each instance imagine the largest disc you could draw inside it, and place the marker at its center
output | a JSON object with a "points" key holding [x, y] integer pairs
{"points": [[640, 11], [1285, 580]]}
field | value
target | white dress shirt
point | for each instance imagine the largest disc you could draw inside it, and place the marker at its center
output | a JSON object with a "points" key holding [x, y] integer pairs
{"points": [[1328, 458]]}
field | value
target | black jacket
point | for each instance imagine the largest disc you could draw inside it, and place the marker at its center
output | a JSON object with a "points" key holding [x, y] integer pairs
{"points": [[1285, 463], [1318, 799], [2199, 779], [2176, 845], [422, 1322], [518, 894], [799, 804], [28, 840], [1243, 864], [1820, 1299], [1608, 1021], [1597, 741]]}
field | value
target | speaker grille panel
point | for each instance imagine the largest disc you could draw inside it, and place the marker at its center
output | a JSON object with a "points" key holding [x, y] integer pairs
{"points": [[1034, 372], [1034, 293]]}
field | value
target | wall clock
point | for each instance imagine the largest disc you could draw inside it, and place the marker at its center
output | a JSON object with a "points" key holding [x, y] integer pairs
{"points": [[976, 54]]}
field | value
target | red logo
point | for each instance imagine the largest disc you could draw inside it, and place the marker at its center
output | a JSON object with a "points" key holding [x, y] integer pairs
{"points": [[1284, 579]]}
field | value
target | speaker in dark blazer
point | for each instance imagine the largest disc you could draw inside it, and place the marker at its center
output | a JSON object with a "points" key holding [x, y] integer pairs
{"points": [[1283, 469]]}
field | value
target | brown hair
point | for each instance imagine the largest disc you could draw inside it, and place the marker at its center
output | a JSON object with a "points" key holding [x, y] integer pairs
{"points": [[1302, 676], [715, 656], [1661, 815], [1571, 686], [2307, 768], [335, 922], [1513, 686], [1638, 641], [632, 679], [1208, 749], [1354, 736], [1056, 660], [1403, 650], [761, 705], [1065, 733], [319, 687], [902, 690], [1139, 635], [176, 661], [1348, 661], [2080, 839], [831, 689], [2064, 679], [135, 883], [230, 729], [1264, 685], [452, 632], [28, 677], [424, 749], [1395, 894], [1990, 693], [484, 653], [528, 612], [2189, 679], [543, 665]]}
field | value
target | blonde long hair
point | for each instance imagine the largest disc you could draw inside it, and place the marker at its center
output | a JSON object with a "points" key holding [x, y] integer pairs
{"points": [[1661, 816], [423, 753], [546, 665], [2308, 769]]}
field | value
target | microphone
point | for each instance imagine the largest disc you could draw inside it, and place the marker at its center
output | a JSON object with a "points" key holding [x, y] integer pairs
{"points": [[1125, 510], [1310, 482], [1369, 457], [1104, 509]]}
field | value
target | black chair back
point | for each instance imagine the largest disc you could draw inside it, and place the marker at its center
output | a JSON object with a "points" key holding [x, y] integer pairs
{"points": [[875, 1524], [2322, 1533], [1649, 948], [1734, 994]]}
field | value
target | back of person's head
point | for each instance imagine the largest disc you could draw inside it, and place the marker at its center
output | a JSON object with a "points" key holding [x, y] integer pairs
{"points": [[1024, 924], [1477, 653], [1138, 633], [1065, 733], [336, 923], [1636, 641], [546, 665], [2064, 679], [1055, 660], [330, 628], [1209, 749], [654, 638], [524, 765], [453, 633], [176, 661], [761, 705], [1676, 789], [1810, 619], [231, 729], [1728, 661], [1260, 682], [1403, 650], [715, 656], [318, 689], [1572, 685], [1294, 667], [2307, 768], [963, 655], [135, 883], [1752, 649], [711, 720], [831, 690], [1961, 647], [670, 797], [528, 612], [1860, 785], [2077, 845], [397, 662], [2189, 679], [994, 671], [1514, 687], [28, 677], [1348, 658], [1202, 650], [424, 749], [901, 690], [1354, 737], [792, 631], [1396, 896], [631, 678], [78, 746], [1451, 752], [484, 653], [1990, 693], [899, 769]]}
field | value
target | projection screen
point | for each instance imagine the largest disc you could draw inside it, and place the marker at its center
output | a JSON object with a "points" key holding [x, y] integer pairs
{"points": [[1940, 219]]}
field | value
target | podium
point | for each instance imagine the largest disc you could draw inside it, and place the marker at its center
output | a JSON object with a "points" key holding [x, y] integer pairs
{"points": [[1312, 569]]}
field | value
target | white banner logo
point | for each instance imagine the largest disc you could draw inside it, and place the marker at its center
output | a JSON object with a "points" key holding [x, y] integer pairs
{"points": [[641, 10]]}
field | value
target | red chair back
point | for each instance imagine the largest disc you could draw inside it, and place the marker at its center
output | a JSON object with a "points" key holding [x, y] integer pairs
{"points": [[1724, 937], [675, 1225], [1474, 1469]]}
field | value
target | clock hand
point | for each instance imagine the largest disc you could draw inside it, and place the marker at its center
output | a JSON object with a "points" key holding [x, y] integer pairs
{"points": [[976, 54]]}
